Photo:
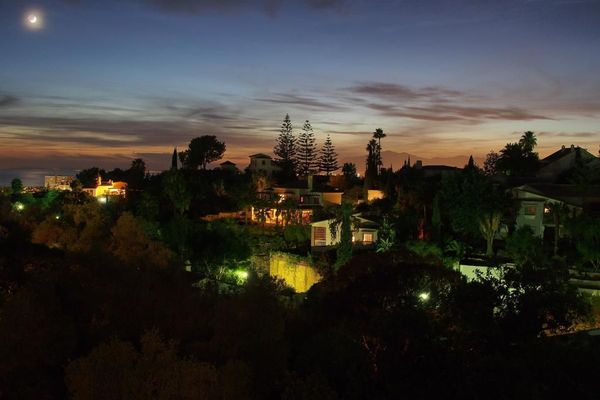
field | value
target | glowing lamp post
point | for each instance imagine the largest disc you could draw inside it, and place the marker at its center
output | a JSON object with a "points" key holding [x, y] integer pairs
{"points": [[424, 296]]}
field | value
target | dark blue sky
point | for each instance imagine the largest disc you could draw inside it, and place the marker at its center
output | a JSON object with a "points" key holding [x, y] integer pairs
{"points": [[104, 81]]}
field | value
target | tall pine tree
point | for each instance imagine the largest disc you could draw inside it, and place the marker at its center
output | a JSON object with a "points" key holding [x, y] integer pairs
{"points": [[328, 160], [307, 151], [285, 149]]}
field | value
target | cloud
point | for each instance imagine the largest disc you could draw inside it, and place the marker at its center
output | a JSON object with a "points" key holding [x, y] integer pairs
{"points": [[302, 101], [200, 6], [209, 111], [8, 100], [391, 91], [325, 4], [94, 131], [435, 104], [454, 112], [269, 7], [595, 135]]}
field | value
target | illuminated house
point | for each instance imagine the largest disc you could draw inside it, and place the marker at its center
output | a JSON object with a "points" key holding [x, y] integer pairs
{"points": [[107, 189], [262, 164], [294, 202], [535, 201], [364, 233], [58, 182]]}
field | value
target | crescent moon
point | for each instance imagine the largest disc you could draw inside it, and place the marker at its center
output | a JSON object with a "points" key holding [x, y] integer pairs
{"points": [[32, 19]]}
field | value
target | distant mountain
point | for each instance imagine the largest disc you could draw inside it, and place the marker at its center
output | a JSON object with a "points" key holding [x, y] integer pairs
{"points": [[396, 160]]}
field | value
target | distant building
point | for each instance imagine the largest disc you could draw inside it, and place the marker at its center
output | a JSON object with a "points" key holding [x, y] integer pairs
{"points": [[563, 160], [364, 233], [58, 182], [262, 164], [228, 166], [106, 189]]}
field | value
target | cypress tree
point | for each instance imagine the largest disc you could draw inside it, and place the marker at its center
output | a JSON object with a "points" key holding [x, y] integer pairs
{"points": [[328, 160], [307, 150], [174, 159]]}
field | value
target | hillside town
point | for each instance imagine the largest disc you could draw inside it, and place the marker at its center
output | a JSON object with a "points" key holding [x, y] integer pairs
{"points": [[302, 222]]}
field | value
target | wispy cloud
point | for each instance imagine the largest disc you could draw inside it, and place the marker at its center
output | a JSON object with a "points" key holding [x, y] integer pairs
{"points": [[435, 104], [302, 101], [396, 92], [578, 135], [8, 100], [269, 7]]}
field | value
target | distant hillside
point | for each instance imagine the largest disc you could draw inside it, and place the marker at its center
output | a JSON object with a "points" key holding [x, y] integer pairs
{"points": [[396, 160]]}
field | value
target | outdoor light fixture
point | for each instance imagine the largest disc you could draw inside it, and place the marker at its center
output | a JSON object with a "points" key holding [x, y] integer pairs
{"points": [[19, 206], [241, 275], [424, 296]]}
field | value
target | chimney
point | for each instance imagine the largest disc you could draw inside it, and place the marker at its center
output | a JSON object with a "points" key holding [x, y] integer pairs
{"points": [[419, 164], [310, 182]]}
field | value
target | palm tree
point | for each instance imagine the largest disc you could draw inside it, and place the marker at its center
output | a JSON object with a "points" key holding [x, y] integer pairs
{"points": [[528, 141], [378, 134], [489, 224]]}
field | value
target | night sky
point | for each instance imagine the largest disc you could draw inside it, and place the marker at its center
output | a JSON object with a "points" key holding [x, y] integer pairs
{"points": [[101, 82]]}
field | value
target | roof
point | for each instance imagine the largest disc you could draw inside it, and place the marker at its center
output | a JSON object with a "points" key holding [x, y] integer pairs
{"points": [[367, 224], [570, 194], [564, 151], [227, 163], [301, 184], [361, 223], [260, 155]]}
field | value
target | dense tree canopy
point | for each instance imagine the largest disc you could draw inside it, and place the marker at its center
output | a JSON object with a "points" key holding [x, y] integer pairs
{"points": [[201, 151]]}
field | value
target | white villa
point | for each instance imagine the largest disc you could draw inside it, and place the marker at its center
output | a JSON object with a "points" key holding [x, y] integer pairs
{"points": [[364, 232]]}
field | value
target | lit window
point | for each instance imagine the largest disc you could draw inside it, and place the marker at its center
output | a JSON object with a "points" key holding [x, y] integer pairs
{"points": [[367, 238], [319, 236], [530, 210]]}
